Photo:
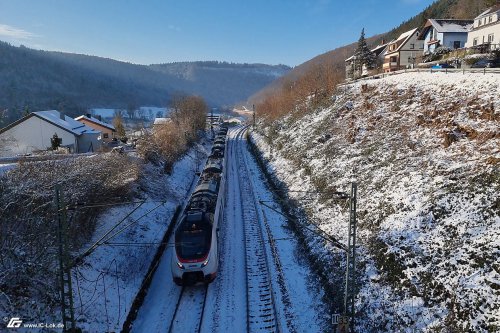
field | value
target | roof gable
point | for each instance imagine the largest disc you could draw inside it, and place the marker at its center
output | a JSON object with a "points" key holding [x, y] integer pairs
{"points": [[489, 11], [96, 121], [401, 40]]}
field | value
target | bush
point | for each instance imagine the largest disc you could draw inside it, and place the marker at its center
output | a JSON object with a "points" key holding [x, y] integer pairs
{"points": [[170, 141], [28, 224]]}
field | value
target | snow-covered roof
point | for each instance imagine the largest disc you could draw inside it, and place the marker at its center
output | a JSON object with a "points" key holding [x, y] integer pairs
{"points": [[402, 39], [162, 121], [376, 49], [96, 121], [447, 26], [488, 11], [451, 25], [69, 124]]}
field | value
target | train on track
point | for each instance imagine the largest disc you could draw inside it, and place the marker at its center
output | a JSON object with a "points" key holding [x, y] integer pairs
{"points": [[196, 255]]}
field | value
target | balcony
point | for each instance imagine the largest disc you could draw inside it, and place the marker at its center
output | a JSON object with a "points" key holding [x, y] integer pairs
{"points": [[393, 65]]}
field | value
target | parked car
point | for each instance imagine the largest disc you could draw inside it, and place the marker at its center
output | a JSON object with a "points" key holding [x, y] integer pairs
{"points": [[486, 63], [441, 66]]}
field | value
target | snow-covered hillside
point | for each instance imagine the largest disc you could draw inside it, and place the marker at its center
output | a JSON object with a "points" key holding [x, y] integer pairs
{"points": [[424, 149]]}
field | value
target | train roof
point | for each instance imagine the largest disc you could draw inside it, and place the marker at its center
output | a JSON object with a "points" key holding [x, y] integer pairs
{"points": [[207, 186], [213, 166]]}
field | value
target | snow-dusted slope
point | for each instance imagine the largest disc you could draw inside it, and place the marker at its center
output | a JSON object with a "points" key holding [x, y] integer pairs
{"points": [[424, 149]]}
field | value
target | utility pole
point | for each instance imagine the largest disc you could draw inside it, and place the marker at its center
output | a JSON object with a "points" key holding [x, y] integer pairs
{"points": [[253, 108], [67, 311], [350, 275]]}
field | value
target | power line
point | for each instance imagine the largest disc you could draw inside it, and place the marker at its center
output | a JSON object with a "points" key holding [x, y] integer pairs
{"points": [[317, 232]]}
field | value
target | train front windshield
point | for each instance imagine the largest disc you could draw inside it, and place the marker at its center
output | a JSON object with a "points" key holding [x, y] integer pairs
{"points": [[192, 241]]}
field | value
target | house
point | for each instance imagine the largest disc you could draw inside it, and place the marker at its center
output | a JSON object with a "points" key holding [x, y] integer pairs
{"points": [[447, 33], [486, 29], [34, 133], [108, 131], [350, 71], [403, 52], [160, 122]]}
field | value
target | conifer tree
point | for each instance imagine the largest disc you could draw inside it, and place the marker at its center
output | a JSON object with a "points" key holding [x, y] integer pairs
{"points": [[363, 55]]}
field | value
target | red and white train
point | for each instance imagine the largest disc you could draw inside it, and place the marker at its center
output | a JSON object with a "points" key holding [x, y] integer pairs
{"points": [[196, 255]]}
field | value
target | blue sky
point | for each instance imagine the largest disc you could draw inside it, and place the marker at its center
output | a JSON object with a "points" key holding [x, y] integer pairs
{"points": [[157, 31]]}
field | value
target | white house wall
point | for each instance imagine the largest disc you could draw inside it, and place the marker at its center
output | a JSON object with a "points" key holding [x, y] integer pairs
{"points": [[407, 51], [450, 38], [33, 134], [482, 35]]}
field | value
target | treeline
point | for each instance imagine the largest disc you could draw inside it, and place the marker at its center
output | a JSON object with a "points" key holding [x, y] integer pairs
{"points": [[171, 140], [34, 80], [226, 64], [301, 94]]}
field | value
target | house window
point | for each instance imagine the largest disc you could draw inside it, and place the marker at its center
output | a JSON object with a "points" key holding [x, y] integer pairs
{"points": [[456, 44], [105, 135], [474, 42], [491, 37], [393, 59], [412, 46], [490, 19]]}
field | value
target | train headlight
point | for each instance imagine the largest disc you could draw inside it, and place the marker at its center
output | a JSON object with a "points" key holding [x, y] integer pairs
{"points": [[205, 262], [181, 266]]}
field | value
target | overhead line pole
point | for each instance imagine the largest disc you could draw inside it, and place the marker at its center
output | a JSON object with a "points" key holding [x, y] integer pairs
{"points": [[350, 275], [66, 290]]}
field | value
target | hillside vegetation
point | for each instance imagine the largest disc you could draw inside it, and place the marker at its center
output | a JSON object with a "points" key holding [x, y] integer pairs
{"points": [[423, 149], [32, 80]]}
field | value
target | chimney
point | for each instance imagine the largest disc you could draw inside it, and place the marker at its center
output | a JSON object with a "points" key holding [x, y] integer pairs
{"points": [[383, 41], [89, 115], [99, 117], [61, 115]]}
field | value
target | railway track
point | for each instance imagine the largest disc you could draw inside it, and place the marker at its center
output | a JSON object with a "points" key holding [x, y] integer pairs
{"points": [[261, 305], [189, 310]]}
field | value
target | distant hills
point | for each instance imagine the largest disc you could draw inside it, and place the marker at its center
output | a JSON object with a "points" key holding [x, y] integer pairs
{"points": [[35, 80]]}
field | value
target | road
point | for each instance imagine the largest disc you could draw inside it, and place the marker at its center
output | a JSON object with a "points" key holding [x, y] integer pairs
{"points": [[262, 283]]}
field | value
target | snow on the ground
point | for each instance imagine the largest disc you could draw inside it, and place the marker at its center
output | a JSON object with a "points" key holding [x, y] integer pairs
{"points": [[424, 149], [7, 167], [105, 285], [225, 307]]}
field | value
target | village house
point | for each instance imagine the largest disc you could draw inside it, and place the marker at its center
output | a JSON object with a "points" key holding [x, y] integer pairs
{"points": [[351, 71], [107, 130], [486, 29], [34, 132], [448, 33], [403, 52], [160, 122]]}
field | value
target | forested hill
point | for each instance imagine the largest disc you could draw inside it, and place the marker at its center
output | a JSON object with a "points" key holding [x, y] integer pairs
{"points": [[35, 80]]}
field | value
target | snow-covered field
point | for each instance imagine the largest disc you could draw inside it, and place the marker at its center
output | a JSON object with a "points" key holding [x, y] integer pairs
{"points": [[424, 150]]}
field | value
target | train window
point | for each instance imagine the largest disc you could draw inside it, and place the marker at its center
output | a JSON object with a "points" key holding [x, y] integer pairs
{"points": [[192, 244]]}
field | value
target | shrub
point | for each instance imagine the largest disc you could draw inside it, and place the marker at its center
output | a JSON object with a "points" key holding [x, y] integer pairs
{"points": [[28, 225]]}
